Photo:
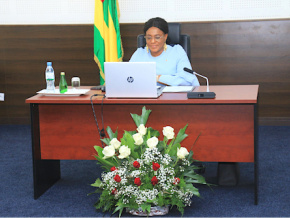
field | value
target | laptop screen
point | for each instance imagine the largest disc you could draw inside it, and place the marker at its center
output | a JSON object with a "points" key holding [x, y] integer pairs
{"points": [[130, 79]]}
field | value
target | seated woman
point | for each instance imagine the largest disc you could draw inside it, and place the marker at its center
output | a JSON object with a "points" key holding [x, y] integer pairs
{"points": [[170, 60]]}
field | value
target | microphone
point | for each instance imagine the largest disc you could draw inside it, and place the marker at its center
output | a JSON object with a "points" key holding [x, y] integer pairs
{"points": [[206, 94]]}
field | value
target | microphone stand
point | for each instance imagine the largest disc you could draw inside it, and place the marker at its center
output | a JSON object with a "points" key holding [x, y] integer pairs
{"points": [[206, 94], [207, 86]]}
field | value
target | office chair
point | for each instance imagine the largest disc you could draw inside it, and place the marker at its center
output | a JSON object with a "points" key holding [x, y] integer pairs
{"points": [[174, 37]]}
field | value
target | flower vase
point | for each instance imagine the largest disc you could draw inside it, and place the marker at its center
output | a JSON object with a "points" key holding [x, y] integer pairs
{"points": [[154, 211]]}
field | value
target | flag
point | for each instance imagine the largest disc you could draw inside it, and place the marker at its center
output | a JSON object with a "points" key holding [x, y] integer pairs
{"points": [[107, 37]]}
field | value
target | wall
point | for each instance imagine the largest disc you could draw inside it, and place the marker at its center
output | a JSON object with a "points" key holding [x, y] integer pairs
{"points": [[132, 11], [242, 52]]}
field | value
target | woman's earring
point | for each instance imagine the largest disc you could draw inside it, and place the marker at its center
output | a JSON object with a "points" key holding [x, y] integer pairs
{"points": [[165, 46], [147, 49]]}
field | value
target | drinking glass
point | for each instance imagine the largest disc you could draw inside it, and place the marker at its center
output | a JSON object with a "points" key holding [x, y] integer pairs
{"points": [[75, 82]]}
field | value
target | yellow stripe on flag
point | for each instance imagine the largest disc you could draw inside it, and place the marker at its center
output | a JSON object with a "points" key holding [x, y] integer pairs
{"points": [[111, 42], [99, 17]]}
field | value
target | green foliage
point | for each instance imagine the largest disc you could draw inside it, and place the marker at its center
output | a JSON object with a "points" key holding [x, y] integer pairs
{"points": [[175, 201], [143, 118], [146, 207], [160, 199], [172, 151], [153, 132], [111, 133], [192, 189], [99, 151], [195, 179], [97, 183], [120, 207], [105, 163], [181, 135], [106, 201]]}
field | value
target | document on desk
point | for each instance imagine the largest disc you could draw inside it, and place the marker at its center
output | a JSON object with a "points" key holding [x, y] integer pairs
{"points": [[178, 89]]}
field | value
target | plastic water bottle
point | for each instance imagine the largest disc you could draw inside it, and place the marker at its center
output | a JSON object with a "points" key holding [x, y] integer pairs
{"points": [[62, 83], [50, 78]]}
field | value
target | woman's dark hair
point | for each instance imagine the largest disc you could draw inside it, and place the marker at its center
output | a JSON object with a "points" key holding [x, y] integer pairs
{"points": [[158, 22]]}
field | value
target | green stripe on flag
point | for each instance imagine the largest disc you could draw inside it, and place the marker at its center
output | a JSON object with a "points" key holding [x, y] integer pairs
{"points": [[114, 12], [105, 11], [99, 51]]}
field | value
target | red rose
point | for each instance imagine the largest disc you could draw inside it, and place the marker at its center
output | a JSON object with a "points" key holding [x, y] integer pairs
{"points": [[113, 169], [136, 164], [155, 166], [114, 191], [154, 180], [176, 181], [117, 178], [137, 181]]}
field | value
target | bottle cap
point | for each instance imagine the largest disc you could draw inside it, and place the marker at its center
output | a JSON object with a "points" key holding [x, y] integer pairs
{"points": [[49, 63], [62, 73]]}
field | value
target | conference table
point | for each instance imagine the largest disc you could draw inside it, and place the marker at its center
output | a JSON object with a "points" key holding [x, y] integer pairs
{"points": [[223, 129]]}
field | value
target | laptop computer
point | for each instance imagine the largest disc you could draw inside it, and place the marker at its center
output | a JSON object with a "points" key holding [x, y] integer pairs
{"points": [[131, 80]]}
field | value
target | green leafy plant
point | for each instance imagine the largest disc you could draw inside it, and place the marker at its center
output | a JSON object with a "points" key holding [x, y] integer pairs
{"points": [[141, 170]]}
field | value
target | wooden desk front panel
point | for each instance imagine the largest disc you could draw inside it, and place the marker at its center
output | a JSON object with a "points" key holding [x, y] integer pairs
{"points": [[227, 131]]}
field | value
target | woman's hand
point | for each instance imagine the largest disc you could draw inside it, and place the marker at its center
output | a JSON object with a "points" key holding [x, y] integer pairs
{"points": [[157, 77]]}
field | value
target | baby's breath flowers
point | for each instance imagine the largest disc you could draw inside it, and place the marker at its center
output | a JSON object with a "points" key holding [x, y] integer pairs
{"points": [[142, 171]]}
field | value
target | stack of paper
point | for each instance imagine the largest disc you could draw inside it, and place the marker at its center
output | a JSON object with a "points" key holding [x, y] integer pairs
{"points": [[178, 89]]}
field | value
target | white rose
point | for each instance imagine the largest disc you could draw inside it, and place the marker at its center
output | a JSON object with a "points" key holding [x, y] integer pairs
{"points": [[142, 129], [152, 142], [138, 138], [182, 152], [124, 152], [168, 131], [108, 151], [114, 142]]}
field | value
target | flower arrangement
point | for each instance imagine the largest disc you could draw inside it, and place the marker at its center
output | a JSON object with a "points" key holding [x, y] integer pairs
{"points": [[142, 171]]}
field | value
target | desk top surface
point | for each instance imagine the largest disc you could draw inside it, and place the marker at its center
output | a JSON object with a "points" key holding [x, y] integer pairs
{"points": [[225, 94]]}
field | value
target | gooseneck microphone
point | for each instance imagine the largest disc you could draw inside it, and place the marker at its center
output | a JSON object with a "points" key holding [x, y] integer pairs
{"points": [[206, 94], [191, 71]]}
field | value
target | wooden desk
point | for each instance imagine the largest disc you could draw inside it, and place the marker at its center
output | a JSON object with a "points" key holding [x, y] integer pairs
{"points": [[64, 127]]}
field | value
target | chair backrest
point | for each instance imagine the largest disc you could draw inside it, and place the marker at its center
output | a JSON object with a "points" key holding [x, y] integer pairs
{"points": [[174, 37]]}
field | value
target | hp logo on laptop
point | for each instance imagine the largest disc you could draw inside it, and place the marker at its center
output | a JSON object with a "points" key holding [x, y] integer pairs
{"points": [[130, 79]]}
